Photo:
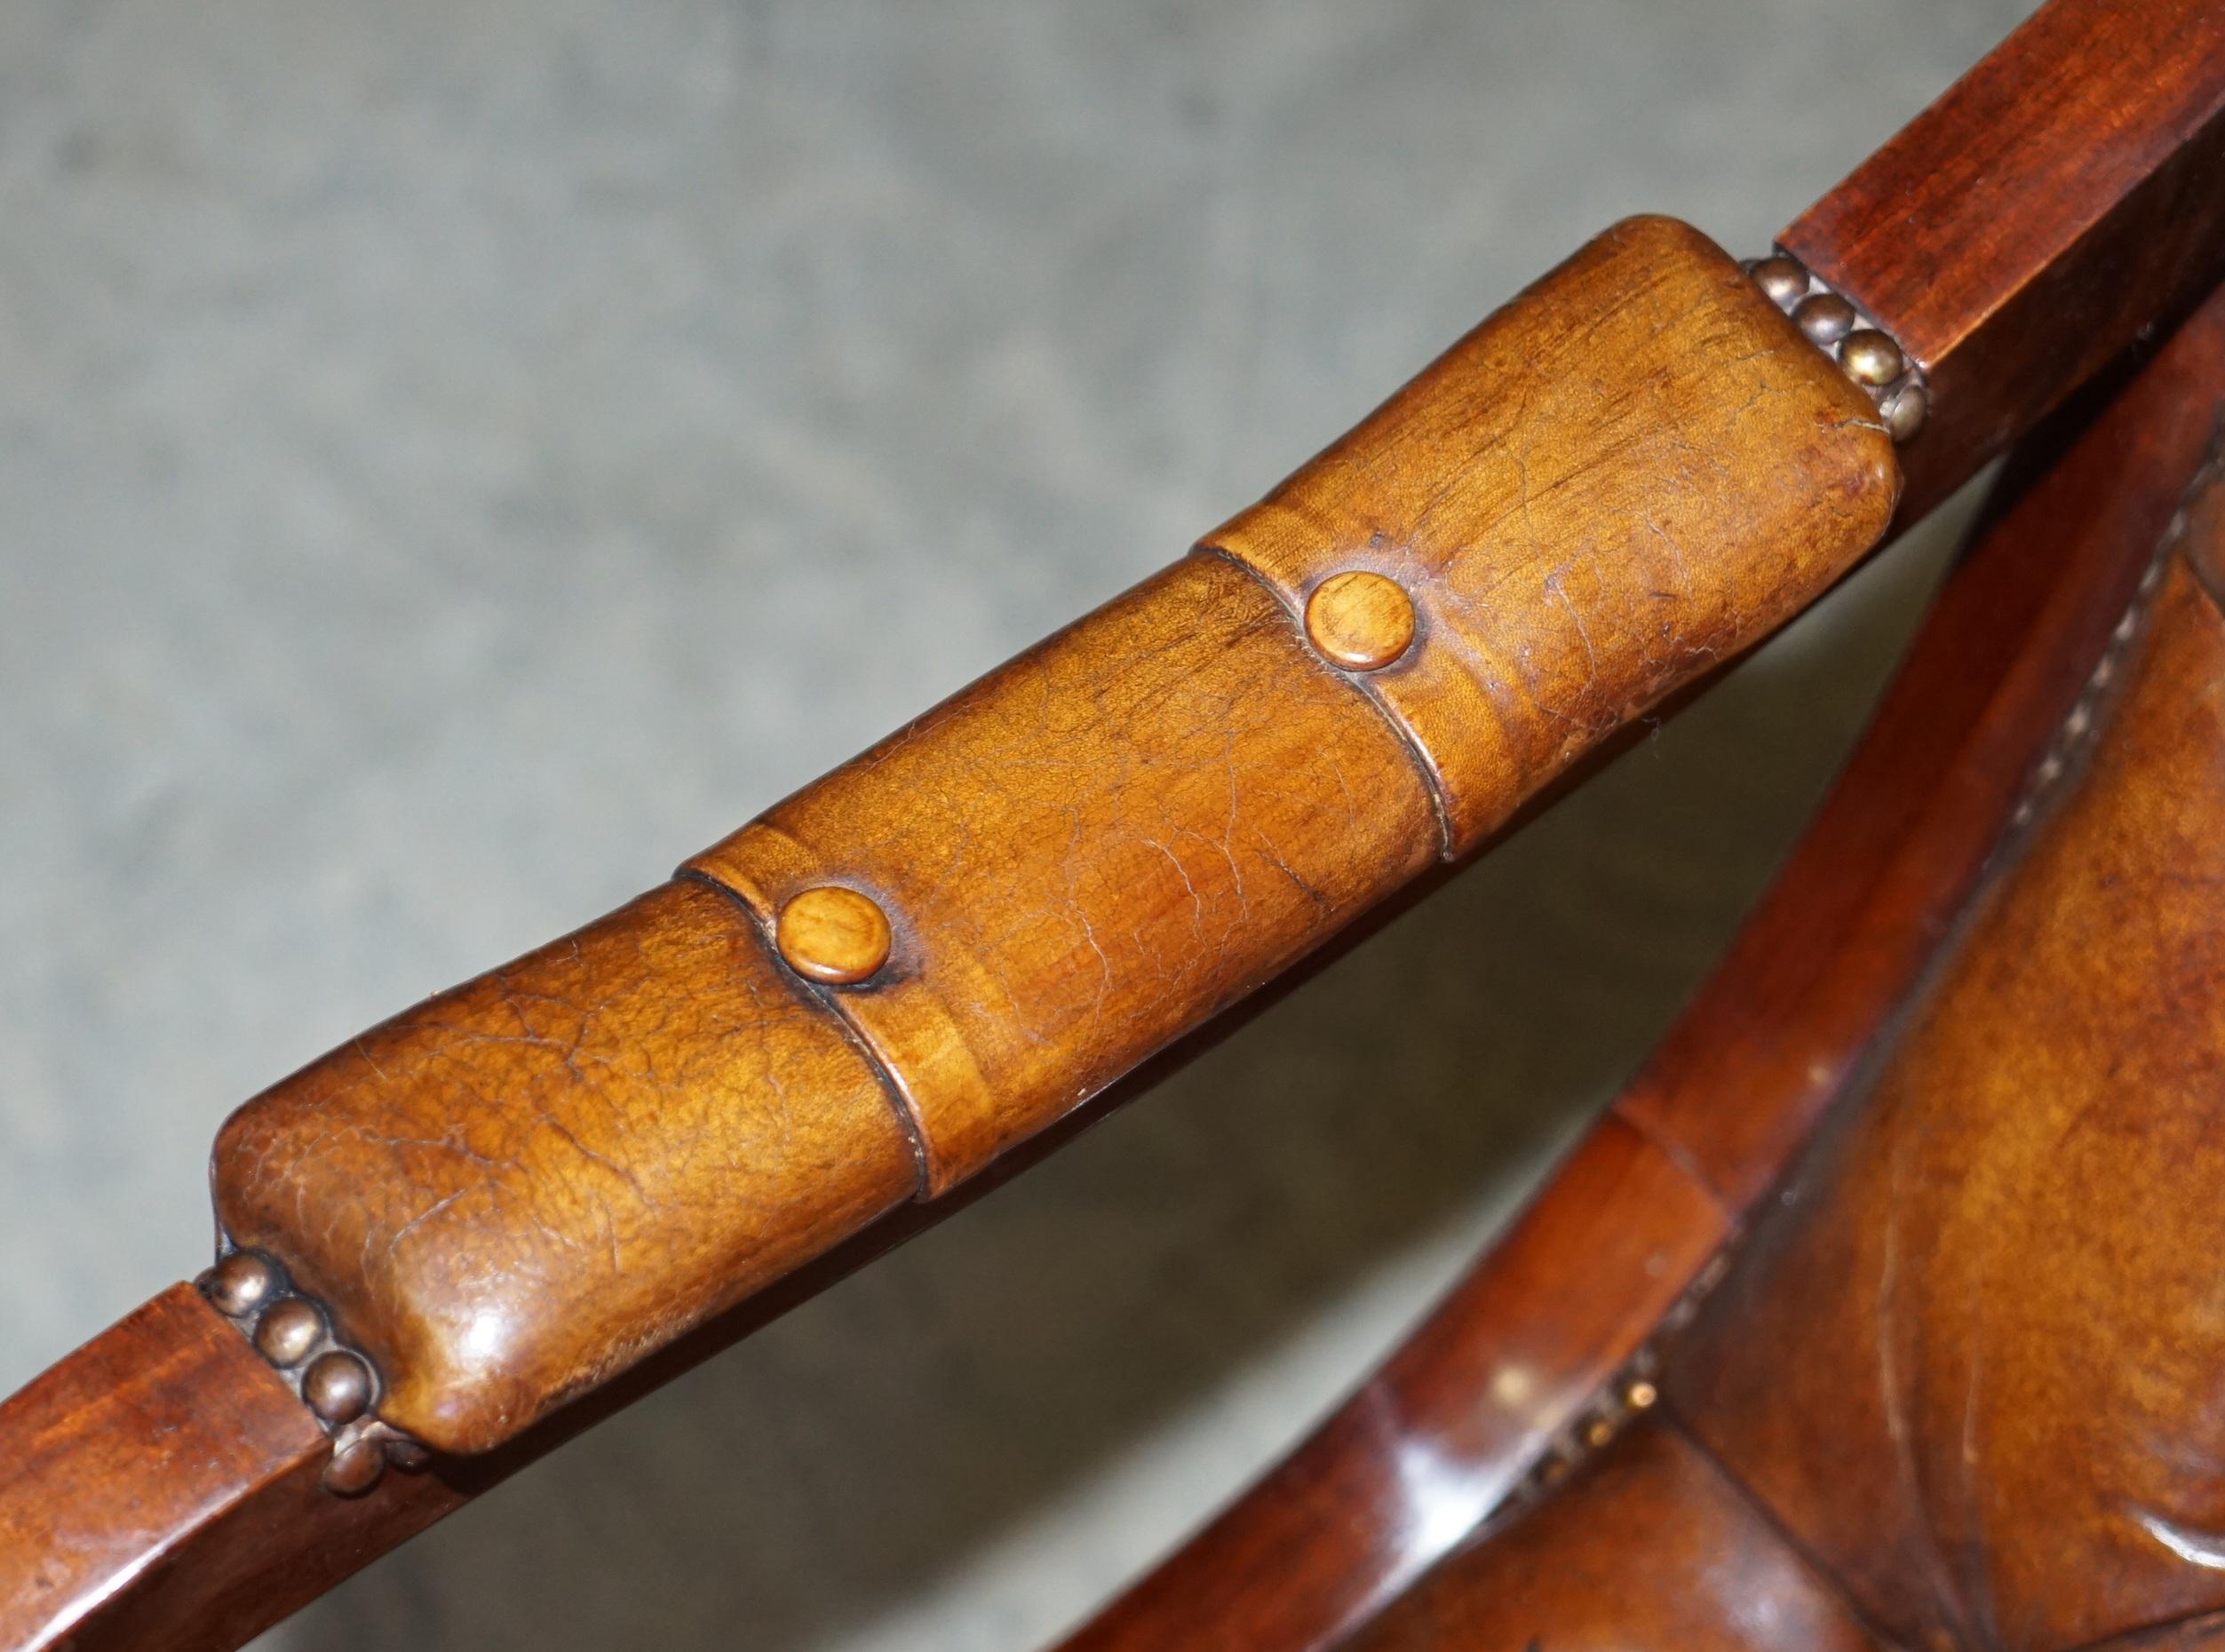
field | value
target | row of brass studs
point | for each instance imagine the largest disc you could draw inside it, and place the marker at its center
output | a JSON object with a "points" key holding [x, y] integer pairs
{"points": [[1631, 1391], [338, 1385], [1866, 352], [2081, 724], [839, 937]]}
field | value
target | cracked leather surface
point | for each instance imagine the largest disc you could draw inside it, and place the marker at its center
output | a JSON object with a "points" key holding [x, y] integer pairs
{"points": [[512, 1191], [520, 1186], [1095, 847], [1627, 475], [1633, 472]]}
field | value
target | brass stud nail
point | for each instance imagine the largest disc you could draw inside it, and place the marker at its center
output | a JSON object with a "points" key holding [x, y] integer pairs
{"points": [[1905, 410], [1782, 278], [239, 1283], [355, 1468], [1826, 318], [288, 1331], [832, 934], [1639, 1395], [1363, 621], [1598, 1431], [1870, 358], [411, 1457], [338, 1387]]}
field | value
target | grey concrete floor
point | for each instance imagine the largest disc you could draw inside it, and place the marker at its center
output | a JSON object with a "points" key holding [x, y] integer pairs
{"points": [[459, 459]]}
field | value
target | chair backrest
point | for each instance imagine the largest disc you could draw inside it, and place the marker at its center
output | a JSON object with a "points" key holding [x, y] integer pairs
{"points": [[1970, 1361], [1957, 1385]]}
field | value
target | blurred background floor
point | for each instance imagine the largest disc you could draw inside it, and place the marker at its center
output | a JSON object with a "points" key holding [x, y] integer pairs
{"points": [[460, 458]]}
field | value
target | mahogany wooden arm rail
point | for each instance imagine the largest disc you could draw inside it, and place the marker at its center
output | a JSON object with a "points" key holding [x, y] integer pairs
{"points": [[444, 1245]]}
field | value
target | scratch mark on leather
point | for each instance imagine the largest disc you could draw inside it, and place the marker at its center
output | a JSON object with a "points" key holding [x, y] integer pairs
{"points": [[1893, 1398], [1553, 587], [394, 1239]]}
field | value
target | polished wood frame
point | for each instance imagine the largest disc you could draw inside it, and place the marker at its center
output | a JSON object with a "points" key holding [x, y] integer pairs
{"points": [[2066, 195], [1565, 1311]]}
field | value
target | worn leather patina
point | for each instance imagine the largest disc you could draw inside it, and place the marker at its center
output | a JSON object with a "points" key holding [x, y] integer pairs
{"points": [[1965, 1362], [1634, 473]]}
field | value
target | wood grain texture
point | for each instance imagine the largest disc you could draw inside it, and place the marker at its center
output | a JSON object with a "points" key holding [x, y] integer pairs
{"points": [[523, 1185], [1974, 1365], [142, 1473], [1773, 1039], [2063, 197], [1360, 620], [161, 1491], [1448, 1429], [1650, 1548], [1637, 469], [833, 935]]}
